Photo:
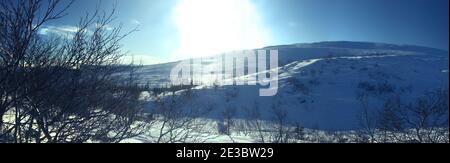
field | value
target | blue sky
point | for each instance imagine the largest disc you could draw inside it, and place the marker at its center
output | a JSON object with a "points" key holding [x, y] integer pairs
{"points": [[173, 29]]}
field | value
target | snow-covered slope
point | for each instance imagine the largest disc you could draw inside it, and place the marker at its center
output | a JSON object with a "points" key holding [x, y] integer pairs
{"points": [[319, 83]]}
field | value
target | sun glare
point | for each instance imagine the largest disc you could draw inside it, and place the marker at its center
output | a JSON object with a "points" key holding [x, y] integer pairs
{"points": [[208, 27]]}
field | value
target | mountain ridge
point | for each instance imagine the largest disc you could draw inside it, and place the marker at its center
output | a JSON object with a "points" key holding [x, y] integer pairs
{"points": [[360, 45]]}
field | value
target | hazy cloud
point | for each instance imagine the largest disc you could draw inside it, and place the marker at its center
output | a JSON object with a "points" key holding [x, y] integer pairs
{"points": [[58, 30]]}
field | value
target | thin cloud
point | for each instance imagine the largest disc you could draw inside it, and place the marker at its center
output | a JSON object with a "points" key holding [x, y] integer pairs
{"points": [[63, 31], [60, 30], [68, 31], [106, 27]]}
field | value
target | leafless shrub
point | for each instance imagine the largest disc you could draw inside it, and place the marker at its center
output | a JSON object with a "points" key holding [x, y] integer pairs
{"points": [[178, 124], [281, 127], [59, 89], [423, 121], [255, 123], [228, 115], [428, 117]]}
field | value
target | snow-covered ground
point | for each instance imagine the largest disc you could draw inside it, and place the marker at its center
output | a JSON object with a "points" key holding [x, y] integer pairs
{"points": [[318, 85]]}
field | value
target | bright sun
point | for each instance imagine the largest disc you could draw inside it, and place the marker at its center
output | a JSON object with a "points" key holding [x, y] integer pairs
{"points": [[208, 27]]}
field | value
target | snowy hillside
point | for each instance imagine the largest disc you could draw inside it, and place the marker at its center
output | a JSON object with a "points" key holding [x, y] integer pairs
{"points": [[321, 84]]}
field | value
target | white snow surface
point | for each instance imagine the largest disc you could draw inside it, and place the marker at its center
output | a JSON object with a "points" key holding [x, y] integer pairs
{"points": [[318, 82]]}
